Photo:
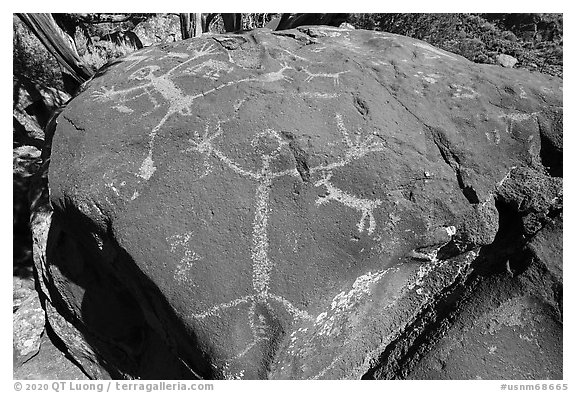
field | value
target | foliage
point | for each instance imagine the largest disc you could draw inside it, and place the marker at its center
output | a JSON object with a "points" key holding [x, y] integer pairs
{"points": [[31, 60], [534, 39], [103, 52], [255, 21]]}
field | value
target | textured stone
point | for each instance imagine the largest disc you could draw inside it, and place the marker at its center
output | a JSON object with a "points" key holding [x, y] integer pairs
{"points": [[506, 330], [506, 60], [159, 29], [283, 204], [28, 325], [50, 363]]}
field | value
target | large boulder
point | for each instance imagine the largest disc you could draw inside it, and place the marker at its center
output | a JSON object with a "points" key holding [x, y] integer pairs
{"points": [[294, 204]]}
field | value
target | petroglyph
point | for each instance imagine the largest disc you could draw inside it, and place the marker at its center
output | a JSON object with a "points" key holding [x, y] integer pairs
{"points": [[318, 50], [314, 94], [274, 76], [511, 118], [187, 261], [211, 69], [161, 89], [460, 94], [175, 55], [365, 206], [518, 116], [523, 94], [380, 63], [178, 102], [239, 104], [430, 78], [343, 302], [262, 264], [334, 76], [205, 146], [294, 56], [493, 136], [136, 58], [123, 108]]}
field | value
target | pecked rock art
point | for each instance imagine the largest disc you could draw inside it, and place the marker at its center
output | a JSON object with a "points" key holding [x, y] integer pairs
{"points": [[286, 205], [264, 178]]}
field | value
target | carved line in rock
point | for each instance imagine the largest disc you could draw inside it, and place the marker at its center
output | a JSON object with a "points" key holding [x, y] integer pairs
{"points": [[187, 262], [264, 176], [178, 102], [334, 76]]}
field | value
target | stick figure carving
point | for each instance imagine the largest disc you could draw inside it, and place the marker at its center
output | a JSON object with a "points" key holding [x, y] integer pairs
{"points": [[262, 302], [264, 177], [178, 101]]}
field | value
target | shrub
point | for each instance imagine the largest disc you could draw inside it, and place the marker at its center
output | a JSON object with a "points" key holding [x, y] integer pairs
{"points": [[31, 60]]}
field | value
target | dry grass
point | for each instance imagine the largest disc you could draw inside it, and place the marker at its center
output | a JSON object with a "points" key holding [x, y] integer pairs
{"points": [[104, 51]]}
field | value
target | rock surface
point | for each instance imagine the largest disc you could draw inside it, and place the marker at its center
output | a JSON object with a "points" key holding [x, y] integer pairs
{"points": [[294, 204], [50, 363], [510, 327], [28, 326], [159, 29], [506, 60]]}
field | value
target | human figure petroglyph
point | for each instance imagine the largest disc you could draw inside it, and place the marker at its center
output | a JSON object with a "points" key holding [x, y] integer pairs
{"points": [[365, 206], [270, 143], [178, 102], [261, 304]]}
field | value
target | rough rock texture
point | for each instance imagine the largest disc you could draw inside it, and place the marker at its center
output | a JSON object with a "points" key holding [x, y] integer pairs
{"points": [[506, 60], [32, 107], [159, 29], [25, 161], [520, 338], [28, 326], [50, 363], [299, 204]]}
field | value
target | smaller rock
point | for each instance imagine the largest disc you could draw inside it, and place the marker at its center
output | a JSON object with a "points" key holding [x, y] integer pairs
{"points": [[22, 288], [347, 26], [159, 29], [28, 323], [49, 363], [506, 60]]}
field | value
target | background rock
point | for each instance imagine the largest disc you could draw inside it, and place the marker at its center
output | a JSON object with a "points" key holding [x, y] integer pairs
{"points": [[506, 60], [50, 363], [161, 28], [28, 323], [506, 329], [297, 204]]}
